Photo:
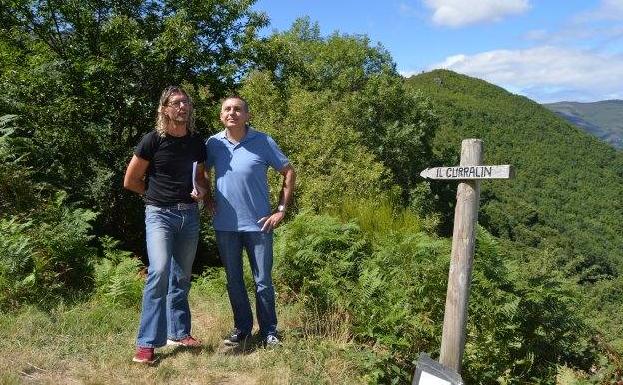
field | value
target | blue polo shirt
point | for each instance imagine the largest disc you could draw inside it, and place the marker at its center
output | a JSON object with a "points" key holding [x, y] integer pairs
{"points": [[240, 177]]}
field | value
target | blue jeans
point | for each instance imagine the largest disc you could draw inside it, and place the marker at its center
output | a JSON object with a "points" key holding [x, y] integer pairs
{"points": [[171, 234], [259, 247]]}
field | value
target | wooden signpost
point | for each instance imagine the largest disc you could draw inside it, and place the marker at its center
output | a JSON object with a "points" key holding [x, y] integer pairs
{"points": [[470, 172]]}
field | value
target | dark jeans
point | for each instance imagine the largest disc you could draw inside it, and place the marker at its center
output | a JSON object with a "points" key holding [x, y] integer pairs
{"points": [[259, 247]]}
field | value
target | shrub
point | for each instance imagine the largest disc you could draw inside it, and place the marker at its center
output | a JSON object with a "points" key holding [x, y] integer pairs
{"points": [[46, 255], [523, 319], [17, 275], [400, 294], [65, 235], [212, 281], [117, 276], [18, 192], [391, 282], [378, 218], [319, 259]]}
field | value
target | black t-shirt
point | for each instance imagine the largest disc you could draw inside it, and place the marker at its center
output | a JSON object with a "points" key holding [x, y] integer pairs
{"points": [[169, 175]]}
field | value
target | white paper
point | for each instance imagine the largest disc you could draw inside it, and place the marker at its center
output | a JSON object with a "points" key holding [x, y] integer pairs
{"points": [[195, 176], [429, 379], [197, 190]]}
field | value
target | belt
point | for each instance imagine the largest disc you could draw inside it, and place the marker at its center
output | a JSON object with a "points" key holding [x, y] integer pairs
{"points": [[179, 206]]}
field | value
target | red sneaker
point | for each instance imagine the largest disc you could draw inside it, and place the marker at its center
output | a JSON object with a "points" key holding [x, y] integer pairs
{"points": [[144, 356], [188, 342]]}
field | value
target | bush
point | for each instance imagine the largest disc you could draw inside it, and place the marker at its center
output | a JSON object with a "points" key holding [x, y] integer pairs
{"points": [[319, 258], [18, 192], [212, 281], [47, 255], [391, 282], [117, 276], [400, 295], [523, 317], [17, 275], [392, 287], [379, 217]]}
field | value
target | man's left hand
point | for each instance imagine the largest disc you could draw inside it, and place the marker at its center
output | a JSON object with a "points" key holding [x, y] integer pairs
{"points": [[271, 221]]}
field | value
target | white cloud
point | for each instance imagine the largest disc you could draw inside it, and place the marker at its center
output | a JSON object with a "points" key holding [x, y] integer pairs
{"points": [[537, 34], [580, 59], [612, 8], [576, 34], [545, 73], [457, 13], [599, 29], [607, 10]]}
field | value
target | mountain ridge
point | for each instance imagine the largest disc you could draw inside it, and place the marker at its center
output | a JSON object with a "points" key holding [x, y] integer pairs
{"points": [[603, 118], [566, 195]]}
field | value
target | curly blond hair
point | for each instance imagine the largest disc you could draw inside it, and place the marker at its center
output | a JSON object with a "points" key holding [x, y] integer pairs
{"points": [[162, 120]]}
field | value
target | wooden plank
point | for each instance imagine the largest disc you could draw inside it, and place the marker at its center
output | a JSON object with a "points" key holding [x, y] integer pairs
{"points": [[461, 260], [469, 172]]}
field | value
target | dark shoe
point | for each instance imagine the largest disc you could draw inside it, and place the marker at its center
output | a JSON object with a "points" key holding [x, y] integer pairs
{"points": [[187, 342], [271, 341], [236, 338], [144, 356]]}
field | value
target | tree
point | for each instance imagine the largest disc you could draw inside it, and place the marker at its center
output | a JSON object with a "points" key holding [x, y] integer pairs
{"points": [[84, 78], [338, 104]]}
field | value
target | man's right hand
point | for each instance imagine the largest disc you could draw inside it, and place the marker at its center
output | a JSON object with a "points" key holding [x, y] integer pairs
{"points": [[198, 194]]}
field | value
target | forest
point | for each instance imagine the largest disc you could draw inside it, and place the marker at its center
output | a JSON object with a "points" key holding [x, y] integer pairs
{"points": [[363, 255]]}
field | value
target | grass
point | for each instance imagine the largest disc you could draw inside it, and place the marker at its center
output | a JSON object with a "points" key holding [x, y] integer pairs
{"points": [[93, 343]]}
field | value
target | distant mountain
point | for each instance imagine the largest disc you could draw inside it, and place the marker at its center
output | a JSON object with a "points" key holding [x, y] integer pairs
{"points": [[567, 194], [603, 119]]}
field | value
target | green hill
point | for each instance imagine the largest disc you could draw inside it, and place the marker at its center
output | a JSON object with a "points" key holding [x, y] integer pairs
{"points": [[566, 195], [603, 119]]}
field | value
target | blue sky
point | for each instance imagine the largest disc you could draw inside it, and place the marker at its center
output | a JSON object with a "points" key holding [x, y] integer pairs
{"points": [[547, 50]]}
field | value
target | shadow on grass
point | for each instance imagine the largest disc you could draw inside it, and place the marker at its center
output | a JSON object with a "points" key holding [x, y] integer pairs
{"points": [[172, 353], [249, 346]]}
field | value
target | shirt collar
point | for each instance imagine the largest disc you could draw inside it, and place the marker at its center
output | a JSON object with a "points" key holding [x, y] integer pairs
{"points": [[251, 133]]}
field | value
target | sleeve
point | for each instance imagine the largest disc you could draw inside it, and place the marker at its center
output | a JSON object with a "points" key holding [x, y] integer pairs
{"points": [[276, 158], [201, 150], [146, 147], [209, 158]]}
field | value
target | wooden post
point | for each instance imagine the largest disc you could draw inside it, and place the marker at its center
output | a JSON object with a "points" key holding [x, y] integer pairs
{"points": [[470, 172], [462, 257]]}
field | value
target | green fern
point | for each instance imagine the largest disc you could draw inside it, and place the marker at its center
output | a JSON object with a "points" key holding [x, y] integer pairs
{"points": [[119, 283], [16, 247]]}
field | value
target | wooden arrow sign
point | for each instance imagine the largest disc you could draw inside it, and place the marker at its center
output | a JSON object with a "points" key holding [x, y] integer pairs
{"points": [[469, 172]]}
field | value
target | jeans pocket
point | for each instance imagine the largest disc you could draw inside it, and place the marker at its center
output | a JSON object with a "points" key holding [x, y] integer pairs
{"points": [[152, 214], [151, 208]]}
